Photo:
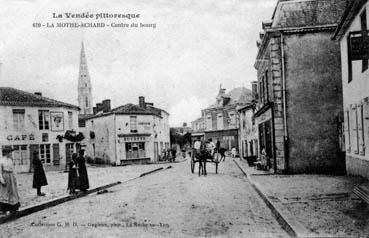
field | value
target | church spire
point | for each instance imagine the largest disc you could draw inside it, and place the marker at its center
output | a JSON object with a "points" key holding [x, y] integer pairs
{"points": [[84, 85]]}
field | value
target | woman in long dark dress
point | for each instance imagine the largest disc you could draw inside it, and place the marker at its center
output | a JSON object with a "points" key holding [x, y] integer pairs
{"points": [[73, 175], [39, 177], [9, 197], [83, 176]]}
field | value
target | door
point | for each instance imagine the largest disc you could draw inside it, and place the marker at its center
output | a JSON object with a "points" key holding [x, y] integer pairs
{"points": [[32, 148], [69, 150], [268, 142], [20, 158]]}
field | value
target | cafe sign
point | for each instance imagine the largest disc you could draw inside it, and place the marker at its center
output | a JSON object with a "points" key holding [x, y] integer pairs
{"points": [[20, 137]]}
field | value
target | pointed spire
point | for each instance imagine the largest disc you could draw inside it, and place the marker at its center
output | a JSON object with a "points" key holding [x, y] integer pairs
{"points": [[84, 85]]}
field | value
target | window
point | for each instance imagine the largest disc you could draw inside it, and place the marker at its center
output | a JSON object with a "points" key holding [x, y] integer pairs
{"points": [[364, 30], [43, 119], [20, 155], [208, 122], [86, 102], [220, 122], [45, 154], [133, 123], [18, 119], [349, 61], [70, 120]]}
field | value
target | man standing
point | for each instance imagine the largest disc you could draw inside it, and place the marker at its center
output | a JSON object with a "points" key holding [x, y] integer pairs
{"points": [[39, 177]]}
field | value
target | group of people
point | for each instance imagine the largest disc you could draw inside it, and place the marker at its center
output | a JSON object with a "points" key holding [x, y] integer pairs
{"points": [[209, 147], [9, 197]]}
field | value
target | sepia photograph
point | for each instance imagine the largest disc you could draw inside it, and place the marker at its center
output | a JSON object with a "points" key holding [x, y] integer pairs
{"points": [[184, 118]]}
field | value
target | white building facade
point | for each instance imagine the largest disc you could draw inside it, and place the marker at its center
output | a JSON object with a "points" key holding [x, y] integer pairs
{"points": [[128, 134], [31, 123], [248, 137], [352, 33]]}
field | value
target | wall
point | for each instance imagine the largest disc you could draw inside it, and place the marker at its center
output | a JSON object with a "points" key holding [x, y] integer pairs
{"points": [[314, 102], [354, 93], [31, 127]]}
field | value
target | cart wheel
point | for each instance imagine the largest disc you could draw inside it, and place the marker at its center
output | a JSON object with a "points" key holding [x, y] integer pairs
{"points": [[192, 165]]}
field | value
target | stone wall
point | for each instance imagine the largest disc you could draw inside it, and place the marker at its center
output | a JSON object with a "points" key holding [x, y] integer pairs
{"points": [[314, 102]]}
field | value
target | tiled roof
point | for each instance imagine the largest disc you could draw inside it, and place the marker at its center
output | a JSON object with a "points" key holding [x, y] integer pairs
{"points": [[136, 109], [308, 13], [240, 95], [349, 15], [15, 97]]}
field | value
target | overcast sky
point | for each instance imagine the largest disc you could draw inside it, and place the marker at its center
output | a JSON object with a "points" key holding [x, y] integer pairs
{"points": [[196, 45]]}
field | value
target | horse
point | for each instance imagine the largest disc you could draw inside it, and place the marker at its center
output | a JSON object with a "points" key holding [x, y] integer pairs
{"points": [[202, 157]]}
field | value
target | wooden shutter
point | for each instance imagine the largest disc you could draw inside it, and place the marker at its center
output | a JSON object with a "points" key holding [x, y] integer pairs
{"points": [[56, 154], [360, 128]]}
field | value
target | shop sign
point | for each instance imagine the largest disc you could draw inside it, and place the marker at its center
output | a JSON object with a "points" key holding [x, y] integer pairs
{"points": [[20, 137], [266, 116], [359, 48]]}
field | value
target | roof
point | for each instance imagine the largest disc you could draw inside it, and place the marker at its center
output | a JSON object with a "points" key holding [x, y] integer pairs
{"points": [[248, 106], [302, 16], [136, 109], [240, 95], [348, 16], [15, 97], [131, 109], [307, 13]]}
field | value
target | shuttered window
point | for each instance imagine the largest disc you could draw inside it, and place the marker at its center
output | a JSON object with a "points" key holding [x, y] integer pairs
{"points": [[347, 131]]}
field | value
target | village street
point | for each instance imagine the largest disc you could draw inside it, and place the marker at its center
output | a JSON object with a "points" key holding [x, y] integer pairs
{"points": [[171, 203]]}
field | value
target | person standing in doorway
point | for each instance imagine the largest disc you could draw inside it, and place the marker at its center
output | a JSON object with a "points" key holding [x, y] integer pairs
{"points": [[39, 177], [73, 174], [82, 170], [9, 197]]}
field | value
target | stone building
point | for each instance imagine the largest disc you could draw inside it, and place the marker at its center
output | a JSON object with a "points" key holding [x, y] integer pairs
{"points": [[127, 134], [220, 120], [352, 34], [299, 107], [31, 122], [198, 128]]}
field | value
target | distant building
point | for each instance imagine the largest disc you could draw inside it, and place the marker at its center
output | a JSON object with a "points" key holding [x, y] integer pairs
{"points": [[352, 33], [248, 137], [220, 119], [182, 130], [299, 107], [198, 128], [127, 134], [31, 122]]}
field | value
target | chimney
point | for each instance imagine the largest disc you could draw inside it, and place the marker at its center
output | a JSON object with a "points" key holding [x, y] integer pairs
{"points": [[98, 107], [141, 102], [106, 105], [254, 90], [38, 94]]}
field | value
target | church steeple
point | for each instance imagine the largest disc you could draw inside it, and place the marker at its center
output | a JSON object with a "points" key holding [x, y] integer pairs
{"points": [[84, 85]]}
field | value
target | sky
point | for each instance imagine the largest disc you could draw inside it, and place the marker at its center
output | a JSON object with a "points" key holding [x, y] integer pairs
{"points": [[196, 45]]}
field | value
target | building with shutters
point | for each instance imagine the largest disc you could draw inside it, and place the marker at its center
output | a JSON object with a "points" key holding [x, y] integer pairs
{"points": [[352, 34], [299, 106], [30, 122], [248, 138], [219, 121], [127, 134]]}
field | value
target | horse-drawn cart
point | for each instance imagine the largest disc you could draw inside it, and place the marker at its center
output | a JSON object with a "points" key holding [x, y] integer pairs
{"points": [[202, 158]]}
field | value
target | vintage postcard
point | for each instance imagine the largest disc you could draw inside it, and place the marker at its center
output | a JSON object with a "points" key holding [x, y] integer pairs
{"points": [[184, 118]]}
